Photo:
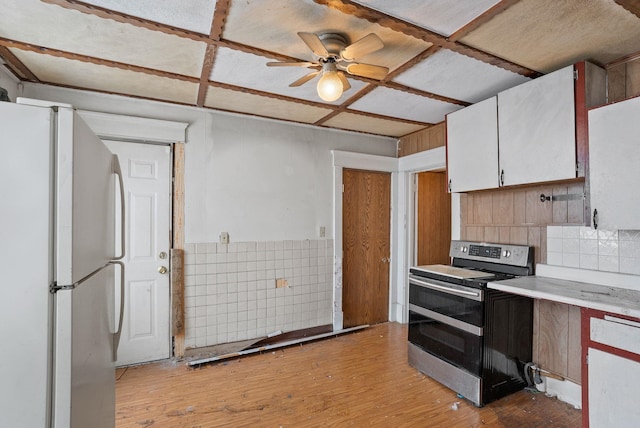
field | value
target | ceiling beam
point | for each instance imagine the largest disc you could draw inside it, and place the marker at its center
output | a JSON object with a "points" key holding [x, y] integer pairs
{"points": [[220, 14], [351, 8], [93, 60], [487, 16], [632, 6], [16, 66]]}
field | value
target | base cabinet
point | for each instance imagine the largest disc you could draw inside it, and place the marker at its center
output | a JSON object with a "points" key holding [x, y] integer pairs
{"points": [[611, 379]]}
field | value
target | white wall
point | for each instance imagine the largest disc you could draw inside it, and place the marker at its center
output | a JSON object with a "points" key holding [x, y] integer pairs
{"points": [[257, 179], [8, 82], [269, 184]]}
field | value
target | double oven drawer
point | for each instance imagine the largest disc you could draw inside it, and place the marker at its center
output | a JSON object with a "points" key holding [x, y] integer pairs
{"points": [[446, 320]]}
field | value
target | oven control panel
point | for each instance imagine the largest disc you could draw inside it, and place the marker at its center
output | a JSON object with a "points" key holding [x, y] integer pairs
{"points": [[516, 255]]}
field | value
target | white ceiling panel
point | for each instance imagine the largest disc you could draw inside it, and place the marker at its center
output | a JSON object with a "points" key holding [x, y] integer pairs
{"points": [[372, 125], [248, 70], [524, 35], [67, 30], [194, 15], [546, 35], [457, 76], [273, 26], [441, 16], [241, 102], [98, 77], [393, 103]]}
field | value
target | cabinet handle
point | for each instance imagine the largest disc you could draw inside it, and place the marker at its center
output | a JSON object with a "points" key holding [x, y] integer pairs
{"points": [[449, 185], [595, 219], [502, 177]]}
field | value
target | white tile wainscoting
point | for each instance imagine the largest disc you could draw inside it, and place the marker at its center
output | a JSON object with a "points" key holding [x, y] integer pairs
{"points": [[231, 294], [587, 248]]}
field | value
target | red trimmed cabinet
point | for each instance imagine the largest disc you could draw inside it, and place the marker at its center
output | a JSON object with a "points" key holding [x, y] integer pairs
{"points": [[610, 370]]}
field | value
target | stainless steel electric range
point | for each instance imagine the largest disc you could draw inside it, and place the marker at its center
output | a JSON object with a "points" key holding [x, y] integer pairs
{"points": [[470, 338]]}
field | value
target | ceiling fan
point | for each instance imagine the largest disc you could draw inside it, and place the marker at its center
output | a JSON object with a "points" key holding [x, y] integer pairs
{"points": [[334, 57]]}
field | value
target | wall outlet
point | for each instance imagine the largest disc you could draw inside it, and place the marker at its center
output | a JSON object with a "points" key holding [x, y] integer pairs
{"points": [[322, 232], [224, 238], [281, 283]]}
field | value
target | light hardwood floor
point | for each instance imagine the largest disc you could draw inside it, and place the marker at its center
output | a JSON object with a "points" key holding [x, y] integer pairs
{"points": [[360, 380]]}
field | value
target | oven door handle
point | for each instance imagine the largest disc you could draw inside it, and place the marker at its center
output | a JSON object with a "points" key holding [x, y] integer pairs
{"points": [[469, 328], [475, 295]]}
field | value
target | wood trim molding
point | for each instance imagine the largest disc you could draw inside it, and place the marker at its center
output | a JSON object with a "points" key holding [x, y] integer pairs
{"points": [[220, 14], [177, 254], [364, 161], [16, 66], [130, 128], [429, 160], [632, 6]]}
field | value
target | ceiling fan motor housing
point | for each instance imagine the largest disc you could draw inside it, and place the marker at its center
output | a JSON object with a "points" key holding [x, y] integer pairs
{"points": [[334, 43]]}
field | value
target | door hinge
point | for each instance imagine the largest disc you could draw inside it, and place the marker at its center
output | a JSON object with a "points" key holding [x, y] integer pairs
{"points": [[343, 188], [575, 74]]}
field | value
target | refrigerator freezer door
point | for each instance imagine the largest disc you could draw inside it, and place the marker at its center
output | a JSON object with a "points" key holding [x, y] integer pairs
{"points": [[85, 200], [25, 250], [84, 367]]}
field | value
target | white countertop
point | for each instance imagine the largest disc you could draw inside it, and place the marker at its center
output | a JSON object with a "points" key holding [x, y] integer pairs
{"points": [[615, 293]]}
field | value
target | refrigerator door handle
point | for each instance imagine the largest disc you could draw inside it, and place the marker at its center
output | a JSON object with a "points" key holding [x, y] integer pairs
{"points": [[116, 335], [118, 171]]}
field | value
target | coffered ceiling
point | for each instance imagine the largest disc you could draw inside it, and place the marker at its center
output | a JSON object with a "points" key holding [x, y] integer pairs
{"points": [[441, 55]]}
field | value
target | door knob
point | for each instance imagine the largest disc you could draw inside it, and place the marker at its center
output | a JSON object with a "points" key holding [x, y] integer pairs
{"points": [[162, 269]]}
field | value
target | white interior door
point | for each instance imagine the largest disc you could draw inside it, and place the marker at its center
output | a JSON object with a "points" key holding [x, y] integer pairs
{"points": [[146, 170]]}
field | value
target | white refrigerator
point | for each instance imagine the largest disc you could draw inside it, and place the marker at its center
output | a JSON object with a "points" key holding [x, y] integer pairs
{"points": [[59, 321]]}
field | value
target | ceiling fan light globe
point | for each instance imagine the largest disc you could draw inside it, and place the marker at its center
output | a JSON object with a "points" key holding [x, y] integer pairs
{"points": [[330, 86]]}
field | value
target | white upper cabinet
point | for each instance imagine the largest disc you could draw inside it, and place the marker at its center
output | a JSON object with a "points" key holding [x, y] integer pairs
{"points": [[614, 165], [537, 130], [539, 134], [472, 147]]}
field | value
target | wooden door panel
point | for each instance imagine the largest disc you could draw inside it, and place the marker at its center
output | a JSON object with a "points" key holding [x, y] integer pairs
{"points": [[366, 249], [433, 219]]}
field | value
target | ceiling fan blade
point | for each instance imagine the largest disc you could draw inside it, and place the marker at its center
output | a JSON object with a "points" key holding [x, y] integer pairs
{"points": [[293, 64], [367, 70], [304, 79], [369, 43], [315, 44], [345, 83]]}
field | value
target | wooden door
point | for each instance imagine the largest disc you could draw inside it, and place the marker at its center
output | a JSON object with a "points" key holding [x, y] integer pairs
{"points": [[366, 224], [146, 334], [433, 219]]}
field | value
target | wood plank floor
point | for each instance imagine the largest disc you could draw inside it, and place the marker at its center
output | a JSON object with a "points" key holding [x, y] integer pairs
{"points": [[360, 379]]}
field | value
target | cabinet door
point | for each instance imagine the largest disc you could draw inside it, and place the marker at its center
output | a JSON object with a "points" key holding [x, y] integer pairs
{"points": [[472, 147], [537, 130], [614, 156]]}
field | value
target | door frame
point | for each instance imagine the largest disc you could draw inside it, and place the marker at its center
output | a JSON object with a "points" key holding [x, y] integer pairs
{"points": [[402, 239], [132, 129]]}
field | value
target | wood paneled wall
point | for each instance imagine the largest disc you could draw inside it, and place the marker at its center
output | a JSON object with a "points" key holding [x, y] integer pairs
{"points": [[427, 139], [624, 79], [516, 216]]}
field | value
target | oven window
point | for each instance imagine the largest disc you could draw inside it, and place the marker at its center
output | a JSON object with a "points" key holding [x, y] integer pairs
{"points": [[466, 310], [455, 346]]}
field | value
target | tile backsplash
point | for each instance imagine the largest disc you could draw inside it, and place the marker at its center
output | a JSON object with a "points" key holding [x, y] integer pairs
{"points": [[587, 248], [231, 294]]}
